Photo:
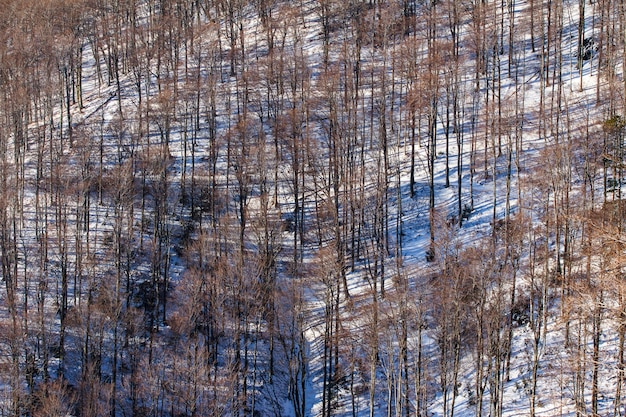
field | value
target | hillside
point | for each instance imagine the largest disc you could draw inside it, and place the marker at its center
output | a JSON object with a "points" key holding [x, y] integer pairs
{"points": [[312, 208]]}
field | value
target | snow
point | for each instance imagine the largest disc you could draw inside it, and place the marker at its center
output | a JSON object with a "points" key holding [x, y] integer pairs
{"points": [[555, 354]]}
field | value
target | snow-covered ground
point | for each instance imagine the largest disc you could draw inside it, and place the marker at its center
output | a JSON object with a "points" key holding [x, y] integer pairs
{"points": [[395, 346]]}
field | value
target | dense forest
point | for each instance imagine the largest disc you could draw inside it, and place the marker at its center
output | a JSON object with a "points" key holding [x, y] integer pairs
{"points": [[312, 208]]}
